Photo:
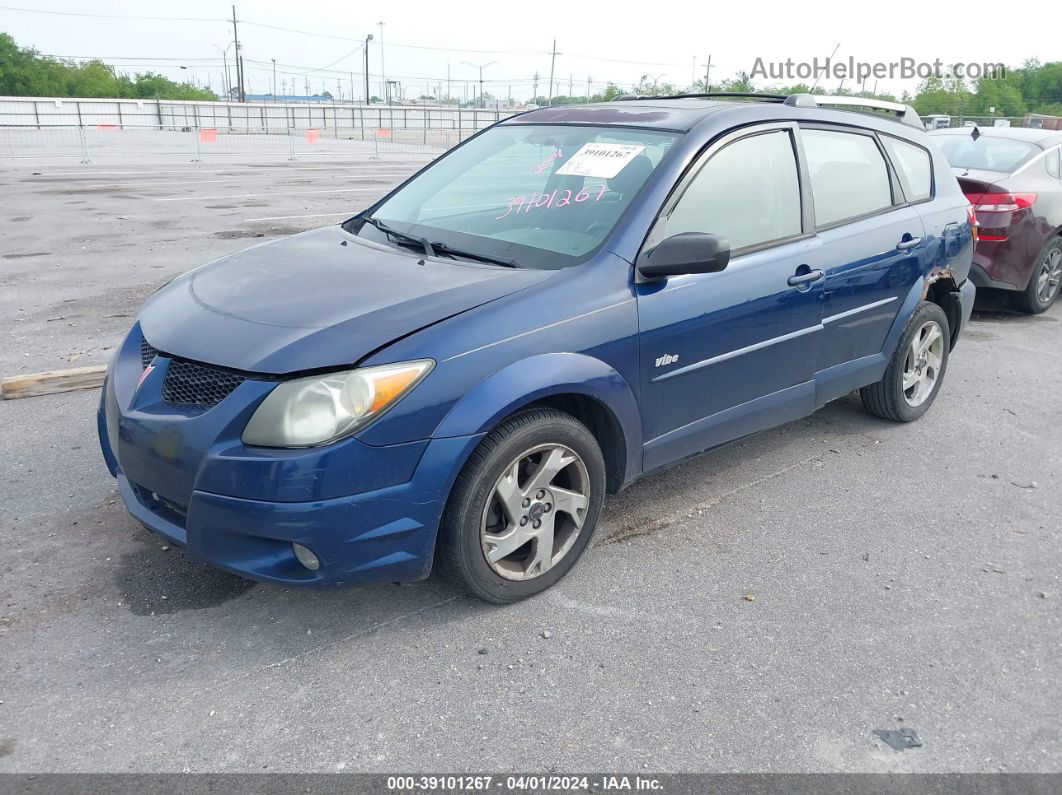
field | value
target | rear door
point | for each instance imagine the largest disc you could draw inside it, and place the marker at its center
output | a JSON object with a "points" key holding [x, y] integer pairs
{"points": [[873, 249]]}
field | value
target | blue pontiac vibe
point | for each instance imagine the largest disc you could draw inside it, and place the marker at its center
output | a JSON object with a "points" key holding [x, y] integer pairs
{"points": [[572, 298]]}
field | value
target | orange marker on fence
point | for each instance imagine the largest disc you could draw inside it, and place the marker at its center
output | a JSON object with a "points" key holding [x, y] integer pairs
{"points": [[208, 135], [312, 136], [383, 132], [106, 126]]}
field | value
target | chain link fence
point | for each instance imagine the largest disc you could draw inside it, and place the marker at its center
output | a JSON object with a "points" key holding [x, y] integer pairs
{"points": [[941, 121], [107, 130]]}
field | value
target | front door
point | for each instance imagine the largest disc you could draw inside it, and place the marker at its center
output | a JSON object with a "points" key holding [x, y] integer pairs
{"points": [[726, 354]]}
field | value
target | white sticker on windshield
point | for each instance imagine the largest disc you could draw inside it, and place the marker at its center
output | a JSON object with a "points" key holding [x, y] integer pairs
{"points": [[603, 161]]}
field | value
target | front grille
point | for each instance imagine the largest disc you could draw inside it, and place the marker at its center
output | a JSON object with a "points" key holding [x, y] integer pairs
{"points": [[147, 352], [198, 384]]}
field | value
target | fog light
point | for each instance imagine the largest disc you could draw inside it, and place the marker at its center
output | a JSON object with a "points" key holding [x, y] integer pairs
{"points": [[306, 557]]}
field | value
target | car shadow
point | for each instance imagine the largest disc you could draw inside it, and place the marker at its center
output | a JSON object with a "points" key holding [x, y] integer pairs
{"points": [[993, 306], [156, 579]]}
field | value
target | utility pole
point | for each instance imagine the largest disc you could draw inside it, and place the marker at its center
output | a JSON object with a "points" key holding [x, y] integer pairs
{"points": [[243, 82], [274, 78], [552, 63], [570, 77], [588, 81], [708, 75], [239, 59]]}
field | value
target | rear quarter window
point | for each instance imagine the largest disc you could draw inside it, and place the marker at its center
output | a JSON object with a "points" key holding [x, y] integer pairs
{"points": [[1054, 167], [915, 166]]}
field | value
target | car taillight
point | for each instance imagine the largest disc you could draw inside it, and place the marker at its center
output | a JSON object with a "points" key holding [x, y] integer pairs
{"points": [[971, 216], [993, 212], [1001, 202]]}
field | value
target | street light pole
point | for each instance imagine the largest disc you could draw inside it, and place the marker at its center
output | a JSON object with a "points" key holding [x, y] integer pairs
{"points": [[367, 94], [274, 79], [383, 70], [480, 67], [225, 62]]}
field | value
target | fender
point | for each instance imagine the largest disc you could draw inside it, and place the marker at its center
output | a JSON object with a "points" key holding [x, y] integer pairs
{"points": [[910, 303], [541, 376]]}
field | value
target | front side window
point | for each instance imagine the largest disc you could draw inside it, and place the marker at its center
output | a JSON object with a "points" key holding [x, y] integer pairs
{"points": [[914, 163], [749, 192], [543, 195], [849, 177]]}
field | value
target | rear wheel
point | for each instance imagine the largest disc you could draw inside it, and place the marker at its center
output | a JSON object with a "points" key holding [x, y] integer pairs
{"points": [[1045, 282], [916, 370], [524, 507]]}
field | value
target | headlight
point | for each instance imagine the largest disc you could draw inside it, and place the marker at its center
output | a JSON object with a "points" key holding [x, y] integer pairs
{"points": [[321, 409]]}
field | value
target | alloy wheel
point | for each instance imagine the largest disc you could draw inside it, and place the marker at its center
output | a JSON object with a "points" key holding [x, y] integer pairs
{"points": [[535, 512], [921, 369], [1050, 276]]}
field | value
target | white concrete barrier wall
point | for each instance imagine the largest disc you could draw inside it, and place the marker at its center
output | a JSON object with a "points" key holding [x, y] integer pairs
{"points": [[233, 116]]}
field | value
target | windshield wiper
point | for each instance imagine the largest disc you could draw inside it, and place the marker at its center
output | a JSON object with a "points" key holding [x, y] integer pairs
{"points": [[443, 248], [423, 242]]}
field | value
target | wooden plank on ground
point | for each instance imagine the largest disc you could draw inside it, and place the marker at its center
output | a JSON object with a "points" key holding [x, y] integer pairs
{"points": [[51, 382]]}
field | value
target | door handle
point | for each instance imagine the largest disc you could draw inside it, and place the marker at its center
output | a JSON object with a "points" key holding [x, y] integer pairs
{"points": [[907, 243], [805, 279]]}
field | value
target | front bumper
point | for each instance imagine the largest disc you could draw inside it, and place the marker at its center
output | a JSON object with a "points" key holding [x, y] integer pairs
{"points": [[370, 514]]}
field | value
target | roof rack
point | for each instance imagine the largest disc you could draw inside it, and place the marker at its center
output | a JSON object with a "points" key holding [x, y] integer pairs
{"points": [[710, 95], [903, 113]]}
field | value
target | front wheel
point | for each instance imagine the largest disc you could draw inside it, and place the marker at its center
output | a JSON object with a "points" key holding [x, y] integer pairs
{"points": [[524, 507], [916, 370]]}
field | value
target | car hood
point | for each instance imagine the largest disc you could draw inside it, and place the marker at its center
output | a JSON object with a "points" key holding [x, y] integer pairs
{"points": [[319, 299]]}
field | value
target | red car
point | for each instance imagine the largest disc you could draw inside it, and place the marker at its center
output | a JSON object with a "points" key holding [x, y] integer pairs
{"points": [[1013, 178]]}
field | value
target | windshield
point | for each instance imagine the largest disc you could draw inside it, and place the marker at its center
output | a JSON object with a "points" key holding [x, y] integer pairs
{"points": [[987, 152], [535, 195]]}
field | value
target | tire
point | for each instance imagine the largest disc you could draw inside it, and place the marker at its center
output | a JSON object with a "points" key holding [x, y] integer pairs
{"points": [[1045, 281], [497, 490], [888, 398]]}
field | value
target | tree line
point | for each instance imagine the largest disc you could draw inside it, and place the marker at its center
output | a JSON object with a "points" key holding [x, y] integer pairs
{"points": [[24, 72], [1031, 88]]}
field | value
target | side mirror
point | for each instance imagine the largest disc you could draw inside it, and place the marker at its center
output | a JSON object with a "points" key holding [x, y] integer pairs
{"points": [[687, 252]]}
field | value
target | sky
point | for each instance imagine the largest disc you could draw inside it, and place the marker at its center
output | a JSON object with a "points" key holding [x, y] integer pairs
{"points": [[597, 42]]}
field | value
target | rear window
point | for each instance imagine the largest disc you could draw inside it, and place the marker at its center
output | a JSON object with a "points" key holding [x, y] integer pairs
{"points": [[987, 152], [913, 163], [849, 177]]}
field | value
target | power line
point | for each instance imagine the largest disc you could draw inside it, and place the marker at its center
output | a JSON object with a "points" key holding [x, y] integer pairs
{"points": [[282, 28], [111, 16]]}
